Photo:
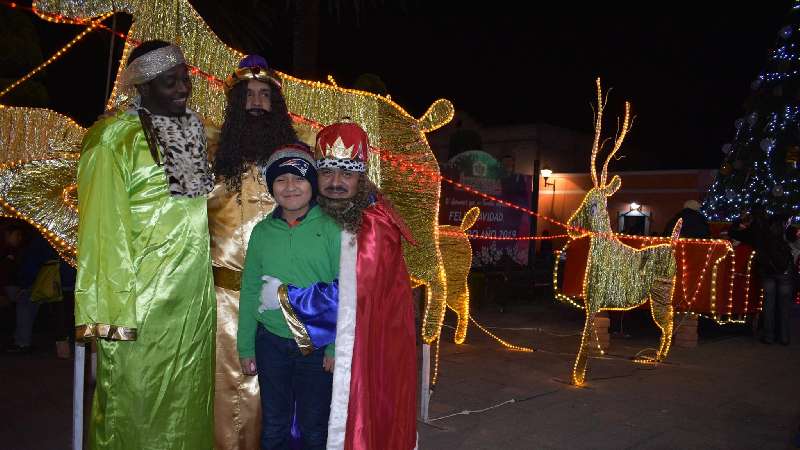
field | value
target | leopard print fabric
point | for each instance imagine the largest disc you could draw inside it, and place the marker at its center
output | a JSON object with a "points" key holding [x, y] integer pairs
{"points": [[184, 149]]}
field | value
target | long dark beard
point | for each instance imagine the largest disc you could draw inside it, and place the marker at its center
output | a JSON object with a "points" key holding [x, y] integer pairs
{"points": [[246, 140], [348, 212], [256, 137]]}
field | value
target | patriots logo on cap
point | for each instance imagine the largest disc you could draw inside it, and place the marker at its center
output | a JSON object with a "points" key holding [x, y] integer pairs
{"points": [[298, 163]]}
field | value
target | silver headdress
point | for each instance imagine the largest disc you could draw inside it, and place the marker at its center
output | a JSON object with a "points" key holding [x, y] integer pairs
{"points": [[152, 64]]}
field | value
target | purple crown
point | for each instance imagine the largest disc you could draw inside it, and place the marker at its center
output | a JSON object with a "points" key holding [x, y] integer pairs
{"points": [[253, 61]]}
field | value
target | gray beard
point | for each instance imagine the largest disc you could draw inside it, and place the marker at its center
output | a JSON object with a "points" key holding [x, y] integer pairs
{"points": [[348, 212], [343, 211]]}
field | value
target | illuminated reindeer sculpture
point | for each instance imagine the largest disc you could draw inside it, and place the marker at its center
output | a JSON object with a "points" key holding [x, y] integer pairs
{"points": [[618, 276]]}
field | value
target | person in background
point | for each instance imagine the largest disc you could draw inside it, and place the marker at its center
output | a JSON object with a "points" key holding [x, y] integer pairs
{"points": [[775, 267], [695, 224], [13, 238], [32, 257], [793, 238]]}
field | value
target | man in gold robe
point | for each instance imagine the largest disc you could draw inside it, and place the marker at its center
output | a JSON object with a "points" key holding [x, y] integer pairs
{"points": [[257, 121]]}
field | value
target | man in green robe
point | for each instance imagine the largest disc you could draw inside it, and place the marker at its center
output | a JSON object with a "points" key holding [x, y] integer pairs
{"points": [[144, 286]]}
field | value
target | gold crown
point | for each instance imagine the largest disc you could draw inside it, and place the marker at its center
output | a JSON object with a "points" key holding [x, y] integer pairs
{"points": [[250, 73], [338, 150]]}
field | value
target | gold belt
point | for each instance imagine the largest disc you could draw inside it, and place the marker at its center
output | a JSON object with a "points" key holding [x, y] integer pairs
{"points": [[227, 278]]}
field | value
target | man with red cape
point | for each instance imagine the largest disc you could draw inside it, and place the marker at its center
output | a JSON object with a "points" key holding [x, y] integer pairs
{"points": [[369, 307]]}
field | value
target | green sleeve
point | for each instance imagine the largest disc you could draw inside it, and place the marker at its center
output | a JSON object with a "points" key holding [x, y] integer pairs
{"points": [[249, 296], [105, 284], [330, 350], [335, 247]]}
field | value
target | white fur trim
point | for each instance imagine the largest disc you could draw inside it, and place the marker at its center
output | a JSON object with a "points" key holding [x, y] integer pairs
{"points": [[345, 337]]}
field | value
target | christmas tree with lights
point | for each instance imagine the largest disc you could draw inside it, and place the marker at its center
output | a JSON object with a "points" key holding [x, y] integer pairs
{"points": [[761, 161]]}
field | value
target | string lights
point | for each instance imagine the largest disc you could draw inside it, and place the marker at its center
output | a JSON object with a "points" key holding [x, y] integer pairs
{"points": [[218, 83], [92, 26], [506, 238], [691, 286], [67, 196], [398, 161], [759, 167], [747, 281], [714, 275], [685, 271], [517, 348], [436, 362], [61, 245], [205, 48]]}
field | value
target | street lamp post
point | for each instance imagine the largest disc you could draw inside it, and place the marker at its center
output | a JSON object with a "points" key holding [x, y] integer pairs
{"points": [[535, 208], [547, 173]]}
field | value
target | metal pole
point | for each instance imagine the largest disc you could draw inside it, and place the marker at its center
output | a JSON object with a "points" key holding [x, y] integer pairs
{"points": [[535, 208], [93, 369], [77, 396], [111, 54], [425, 389]]}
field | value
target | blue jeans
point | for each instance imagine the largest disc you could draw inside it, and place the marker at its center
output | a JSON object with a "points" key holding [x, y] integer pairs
{"points": [[26, 316], [778, 292], [288, 380]]}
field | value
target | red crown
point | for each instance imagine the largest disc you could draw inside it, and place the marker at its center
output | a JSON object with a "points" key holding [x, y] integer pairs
{"points": [[342, 140]]}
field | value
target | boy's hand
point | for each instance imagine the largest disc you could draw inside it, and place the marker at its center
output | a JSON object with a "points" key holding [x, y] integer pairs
{"points": [[249, 366], [328, 363]]}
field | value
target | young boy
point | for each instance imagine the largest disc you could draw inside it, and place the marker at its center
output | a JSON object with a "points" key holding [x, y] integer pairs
{"points": [[297, 244]]}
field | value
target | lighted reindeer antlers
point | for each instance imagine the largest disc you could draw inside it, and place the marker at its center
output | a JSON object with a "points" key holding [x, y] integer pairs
{"points": [[598, 125], [597, 145]]}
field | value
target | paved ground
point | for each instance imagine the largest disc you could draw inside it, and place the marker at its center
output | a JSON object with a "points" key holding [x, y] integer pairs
{"points": [[729, 393]]}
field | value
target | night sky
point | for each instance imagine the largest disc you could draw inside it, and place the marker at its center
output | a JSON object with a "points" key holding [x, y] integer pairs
{"points": [[686, 70]]}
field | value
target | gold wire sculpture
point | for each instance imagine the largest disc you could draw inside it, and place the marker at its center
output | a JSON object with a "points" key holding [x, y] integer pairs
{"points": [[618, 276], [457, 253]]}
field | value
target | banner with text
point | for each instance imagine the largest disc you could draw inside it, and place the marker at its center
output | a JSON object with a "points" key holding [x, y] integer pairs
{"points": [[481, 171]]}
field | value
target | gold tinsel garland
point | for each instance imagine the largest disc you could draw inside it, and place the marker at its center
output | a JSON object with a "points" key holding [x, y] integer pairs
{"points": [[388, 125]]}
